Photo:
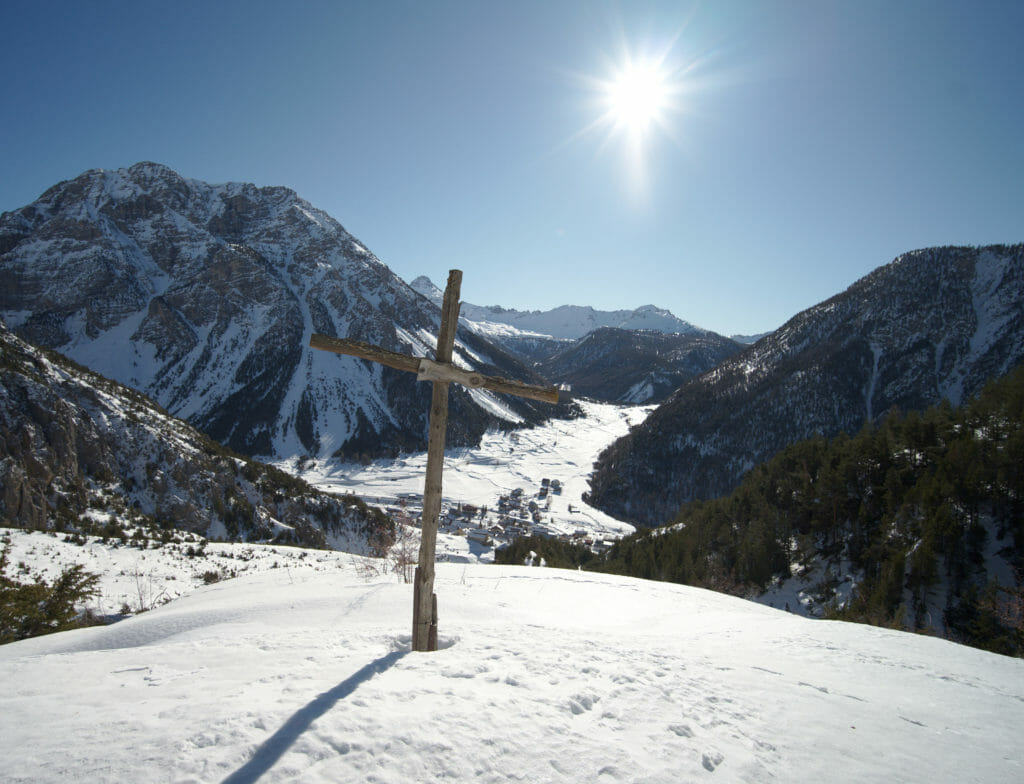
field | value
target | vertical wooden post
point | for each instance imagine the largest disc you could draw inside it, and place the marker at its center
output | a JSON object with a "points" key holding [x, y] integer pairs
{"points": [[416, 583], [441, 372], [432, 634], [424, 602]]}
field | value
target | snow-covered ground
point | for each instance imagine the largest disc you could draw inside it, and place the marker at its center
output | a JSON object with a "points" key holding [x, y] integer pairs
{"points": [[134, 580], [563, 450], [303, 673], [298, 668]]}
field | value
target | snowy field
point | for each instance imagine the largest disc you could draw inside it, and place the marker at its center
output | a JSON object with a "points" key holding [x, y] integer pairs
{"points": [[558, 450], [134, 580], [303, 673]]}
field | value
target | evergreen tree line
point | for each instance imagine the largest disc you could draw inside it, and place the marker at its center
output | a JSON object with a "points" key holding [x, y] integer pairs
{"points": [[537, 550], [29, 609], [911, 505]]}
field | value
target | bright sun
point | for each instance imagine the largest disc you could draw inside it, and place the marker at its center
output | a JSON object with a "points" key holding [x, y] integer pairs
{"points": [[638, 100], [636, 97]]}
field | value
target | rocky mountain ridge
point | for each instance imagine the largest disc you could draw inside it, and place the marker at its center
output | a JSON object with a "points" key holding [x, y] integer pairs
{"points": [[204, 297], [634, 366], [933, 324], [537, 334], [77, 449]]}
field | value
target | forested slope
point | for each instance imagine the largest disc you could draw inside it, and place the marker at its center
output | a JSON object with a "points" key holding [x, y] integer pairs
{"points": [[934, 324], [923, 512]]}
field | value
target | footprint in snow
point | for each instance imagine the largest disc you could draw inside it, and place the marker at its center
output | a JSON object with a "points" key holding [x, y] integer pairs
{"points": [[581, 703], [711, 759]]}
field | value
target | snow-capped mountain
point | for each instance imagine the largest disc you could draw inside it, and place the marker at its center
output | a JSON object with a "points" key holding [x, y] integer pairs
{"points": [[934, 324], [625, 356], [204, 297], [80, 450], [565, 323], [748, 340]]}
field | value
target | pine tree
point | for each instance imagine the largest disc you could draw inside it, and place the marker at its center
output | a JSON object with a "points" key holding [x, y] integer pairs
{"points": [[35, 608]]}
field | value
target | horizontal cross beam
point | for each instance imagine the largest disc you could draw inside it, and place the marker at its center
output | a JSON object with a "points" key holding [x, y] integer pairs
{"points": [[428, 370]]}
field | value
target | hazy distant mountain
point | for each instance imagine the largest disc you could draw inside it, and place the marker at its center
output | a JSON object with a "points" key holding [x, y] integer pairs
{"points": [[550, 329], [204, 297], [426, 287], [748, 340], [933, 324], [575, 321]]}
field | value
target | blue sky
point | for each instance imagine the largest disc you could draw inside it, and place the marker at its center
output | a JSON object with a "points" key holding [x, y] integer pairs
{"points": [[799, 143]]}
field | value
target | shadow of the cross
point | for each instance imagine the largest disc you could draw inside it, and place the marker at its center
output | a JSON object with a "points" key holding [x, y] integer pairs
{"points": [[274, 747]]}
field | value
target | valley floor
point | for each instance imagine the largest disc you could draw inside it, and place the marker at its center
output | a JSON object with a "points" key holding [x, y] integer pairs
{"points": [[476, 479]]}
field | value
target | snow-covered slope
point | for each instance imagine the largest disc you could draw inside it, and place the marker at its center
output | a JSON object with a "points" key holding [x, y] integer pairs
{"points": [[204, 297], [513, 465], [575, 321], [933, 324], [79, 451], [304, 675]]}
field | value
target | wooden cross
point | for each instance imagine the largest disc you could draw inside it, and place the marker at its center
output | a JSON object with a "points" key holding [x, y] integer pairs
{"points": [[441, 372]]}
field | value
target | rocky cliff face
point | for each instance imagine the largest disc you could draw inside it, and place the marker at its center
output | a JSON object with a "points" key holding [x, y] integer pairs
{"points": [[934, 324], [76, 448], [204, 297]]}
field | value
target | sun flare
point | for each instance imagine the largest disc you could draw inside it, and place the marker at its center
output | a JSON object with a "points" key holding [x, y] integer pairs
{"points": [[637, 96], [636, 104]]}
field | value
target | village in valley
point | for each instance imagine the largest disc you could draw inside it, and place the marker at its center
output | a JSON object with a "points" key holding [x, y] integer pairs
{"points": [[515, 483], [518, 513]]}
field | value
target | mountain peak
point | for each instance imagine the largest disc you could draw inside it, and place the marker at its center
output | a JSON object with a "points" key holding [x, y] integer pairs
{"points": [[425, 286], [565, 322], [151, 169], [204, 296]]}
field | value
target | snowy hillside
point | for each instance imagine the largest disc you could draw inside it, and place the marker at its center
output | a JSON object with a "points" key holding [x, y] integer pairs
{"points": [[933, 324], [80, 452], [296, 674]]}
